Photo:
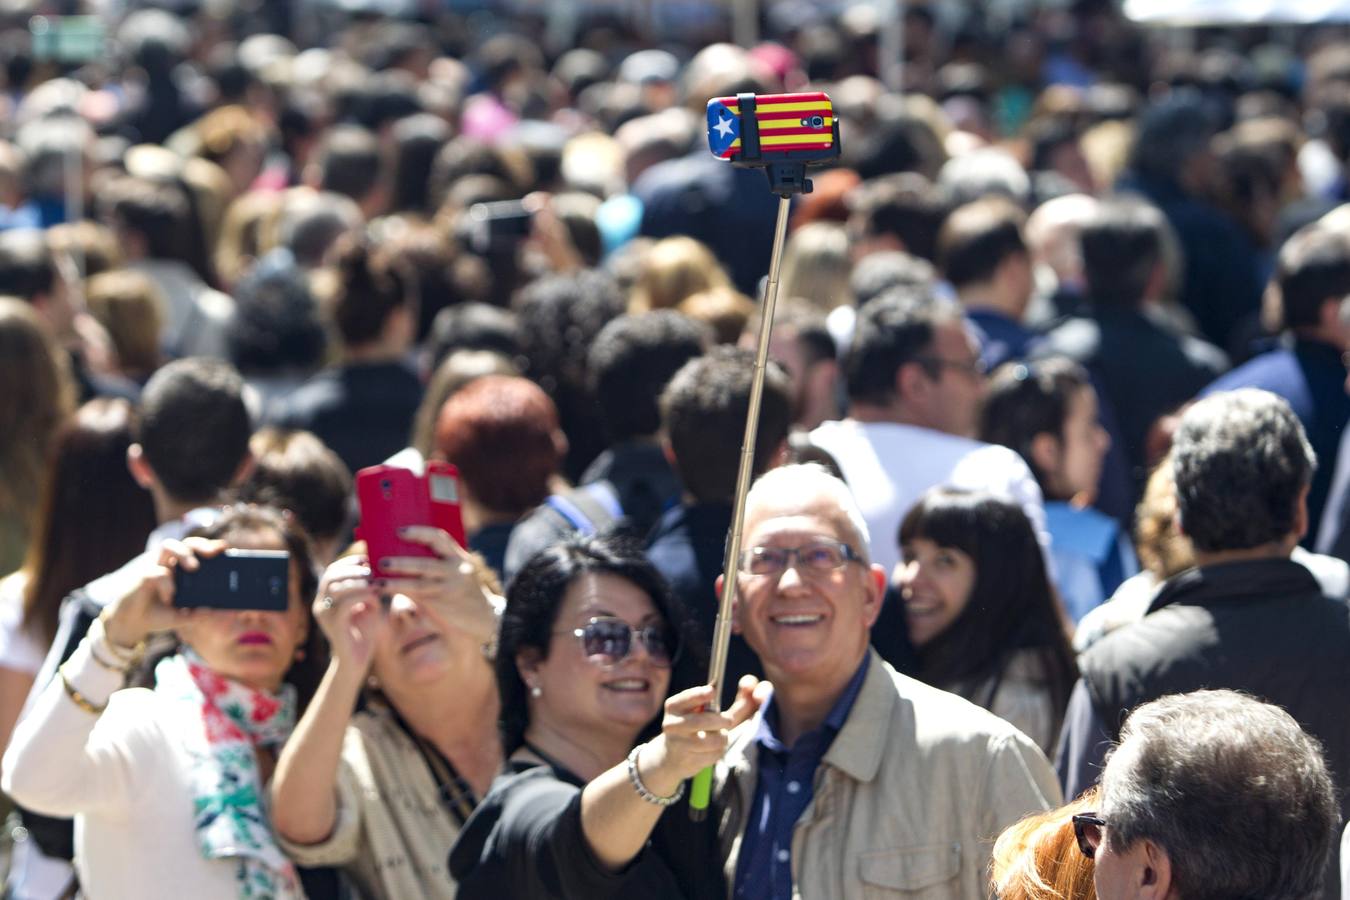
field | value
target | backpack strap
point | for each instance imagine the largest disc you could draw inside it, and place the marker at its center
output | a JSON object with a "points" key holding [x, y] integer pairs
{"points": [[589, 508]]}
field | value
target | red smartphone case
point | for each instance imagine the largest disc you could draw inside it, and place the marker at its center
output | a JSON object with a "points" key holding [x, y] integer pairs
{"points": [[391, 498]]}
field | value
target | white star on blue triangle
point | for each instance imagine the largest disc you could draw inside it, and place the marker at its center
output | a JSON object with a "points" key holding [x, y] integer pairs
{"points": [[724, 127]]}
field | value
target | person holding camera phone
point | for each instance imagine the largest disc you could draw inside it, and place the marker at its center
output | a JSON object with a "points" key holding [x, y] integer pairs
{"points": [[584, 807], [165, 783], [383, 793]]}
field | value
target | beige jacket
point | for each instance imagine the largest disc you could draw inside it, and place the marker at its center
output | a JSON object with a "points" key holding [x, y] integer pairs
{"points": [[908, 799], [392, 836]]}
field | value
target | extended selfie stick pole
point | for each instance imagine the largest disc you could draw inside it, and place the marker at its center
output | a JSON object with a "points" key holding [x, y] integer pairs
{"points": [[785, 179]]}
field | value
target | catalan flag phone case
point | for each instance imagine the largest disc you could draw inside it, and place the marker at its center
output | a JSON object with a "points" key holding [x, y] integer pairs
{"points": [[758, 130]]}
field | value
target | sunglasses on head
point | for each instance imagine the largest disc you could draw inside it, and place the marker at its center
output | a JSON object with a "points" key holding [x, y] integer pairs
{"points": [[1087, 828], [610, 640]]}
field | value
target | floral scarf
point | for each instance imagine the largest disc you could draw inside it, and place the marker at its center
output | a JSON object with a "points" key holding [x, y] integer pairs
{"points": [[225, 721]]}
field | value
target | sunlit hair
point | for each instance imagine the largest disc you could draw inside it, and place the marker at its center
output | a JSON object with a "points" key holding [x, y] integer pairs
{"points": [[673, 269], [807, 481], [1038, 858]]}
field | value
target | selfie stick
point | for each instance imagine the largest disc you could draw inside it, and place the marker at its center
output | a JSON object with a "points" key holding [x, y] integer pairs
{"points": [[786, 177]]}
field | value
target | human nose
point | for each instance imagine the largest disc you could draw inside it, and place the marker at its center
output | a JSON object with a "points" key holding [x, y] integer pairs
{"points": [[792, 575], [401, 605]]}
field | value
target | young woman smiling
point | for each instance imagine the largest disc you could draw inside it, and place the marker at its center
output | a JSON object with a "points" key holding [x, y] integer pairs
{"points": [[981, 611]]}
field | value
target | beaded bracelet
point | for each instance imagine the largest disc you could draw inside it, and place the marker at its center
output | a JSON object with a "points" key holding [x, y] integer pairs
{"points": [[641, 788], [76, 697]]}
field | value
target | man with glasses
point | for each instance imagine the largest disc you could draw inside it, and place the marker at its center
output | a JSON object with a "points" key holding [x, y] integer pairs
{"points": [[1211, 794], [915, 386], [853, 780]]}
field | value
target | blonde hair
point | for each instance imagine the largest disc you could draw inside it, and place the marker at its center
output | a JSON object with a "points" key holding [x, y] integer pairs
{"points": [[1038, 858], [675, 268], [1163, 548], [131, 307], [816, 265]]}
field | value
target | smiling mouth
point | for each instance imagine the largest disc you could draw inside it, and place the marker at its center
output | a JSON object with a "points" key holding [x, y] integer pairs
{"points": [[799, 620], [629, 686], [255, 638], [921, 607]]}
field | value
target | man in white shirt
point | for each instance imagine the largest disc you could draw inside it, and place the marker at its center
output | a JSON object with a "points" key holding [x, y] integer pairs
{"points": [[915, 385]]}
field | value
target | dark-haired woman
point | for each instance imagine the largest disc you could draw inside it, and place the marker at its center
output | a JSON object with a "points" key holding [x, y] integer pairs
{"points": [[586, 645], [165, 784], [981, 612], [363, 407]]}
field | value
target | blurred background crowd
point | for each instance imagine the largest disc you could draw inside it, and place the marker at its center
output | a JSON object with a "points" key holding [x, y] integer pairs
{"points": [[248, 248]]}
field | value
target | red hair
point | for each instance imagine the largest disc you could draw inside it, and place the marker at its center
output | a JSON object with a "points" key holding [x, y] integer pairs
{"points": [[502, 432], [1038, 858]]}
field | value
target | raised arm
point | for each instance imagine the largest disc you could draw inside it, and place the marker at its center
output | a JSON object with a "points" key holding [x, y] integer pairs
{"points": [[304, 786], [63, 758], [615, 817]]}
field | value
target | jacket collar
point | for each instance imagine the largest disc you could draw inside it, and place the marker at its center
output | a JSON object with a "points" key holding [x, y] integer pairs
{"points": [[860, 745], [1235, 581]]}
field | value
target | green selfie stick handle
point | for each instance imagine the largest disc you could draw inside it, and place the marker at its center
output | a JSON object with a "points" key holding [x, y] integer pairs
{"points": [[701, 791]]}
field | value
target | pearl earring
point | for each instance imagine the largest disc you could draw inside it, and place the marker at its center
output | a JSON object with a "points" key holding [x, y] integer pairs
{"points": [[536, 691]]}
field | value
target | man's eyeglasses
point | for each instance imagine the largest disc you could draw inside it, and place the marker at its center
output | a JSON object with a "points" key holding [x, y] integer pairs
{"points": [[1087, 828], [817, 556], [610, 640], [976, 368]]}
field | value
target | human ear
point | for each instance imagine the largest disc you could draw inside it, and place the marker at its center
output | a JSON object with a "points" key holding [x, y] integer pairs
{"points": [[876, 593], [1155, 878], [527, 663]]}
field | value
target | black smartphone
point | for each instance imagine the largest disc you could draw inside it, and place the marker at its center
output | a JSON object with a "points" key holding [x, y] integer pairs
{"points": [[236, 579], [497, 226]]}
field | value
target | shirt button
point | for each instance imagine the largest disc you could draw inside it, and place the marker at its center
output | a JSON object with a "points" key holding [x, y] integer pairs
{"points": [[793, 787], [783, 856]]}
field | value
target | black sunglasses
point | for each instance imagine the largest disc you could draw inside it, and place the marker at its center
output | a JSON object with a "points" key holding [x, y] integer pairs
{"points": [[1087, 828], [611, 639]]}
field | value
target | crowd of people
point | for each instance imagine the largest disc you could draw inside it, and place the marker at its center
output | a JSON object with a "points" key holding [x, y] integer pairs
{"points": [[1044, 574]]}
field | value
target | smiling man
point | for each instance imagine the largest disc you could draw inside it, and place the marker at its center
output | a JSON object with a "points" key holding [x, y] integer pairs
{"points": [[853, 780]]}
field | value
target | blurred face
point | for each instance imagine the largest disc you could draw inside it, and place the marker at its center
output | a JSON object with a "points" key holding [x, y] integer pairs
{"points": [[253, 647], [807, 625], [420, 648], [1083, 445], [935, 584], [957, 392], [594, 692]]}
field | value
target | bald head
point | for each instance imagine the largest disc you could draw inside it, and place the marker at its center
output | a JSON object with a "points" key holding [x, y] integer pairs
{"points": [[808, 487]]}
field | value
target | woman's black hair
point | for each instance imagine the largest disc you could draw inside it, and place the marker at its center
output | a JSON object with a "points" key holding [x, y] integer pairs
{"points": [[1028, 399], [536, 594], [309, 666], [1012, 606]]}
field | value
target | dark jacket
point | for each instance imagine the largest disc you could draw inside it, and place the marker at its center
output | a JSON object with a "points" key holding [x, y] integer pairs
{"points": [[525, 841], [1262, 627], [687, 547]]}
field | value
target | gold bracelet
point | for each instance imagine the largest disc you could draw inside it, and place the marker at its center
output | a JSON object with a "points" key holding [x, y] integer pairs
{"points": [[111, 667], [76, 697]]}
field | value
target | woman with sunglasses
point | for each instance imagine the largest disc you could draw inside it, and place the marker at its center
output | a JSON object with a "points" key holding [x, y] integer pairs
{"points": [[381, 794], [583, 809]]}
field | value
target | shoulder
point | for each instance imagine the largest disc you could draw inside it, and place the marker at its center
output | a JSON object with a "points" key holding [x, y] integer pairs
{"points": [[1204, 355], [940, 719], [1077, 338]]}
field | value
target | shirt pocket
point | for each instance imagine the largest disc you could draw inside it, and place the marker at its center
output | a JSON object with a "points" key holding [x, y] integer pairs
{"points": [[926, 872]]}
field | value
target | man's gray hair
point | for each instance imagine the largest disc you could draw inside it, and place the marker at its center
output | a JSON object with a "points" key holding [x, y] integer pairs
{"points": [[1234, 791], [1240, 460], [808, 481]]}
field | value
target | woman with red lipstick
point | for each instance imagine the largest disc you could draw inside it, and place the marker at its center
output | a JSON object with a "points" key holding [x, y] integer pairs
{"points": [[981, 612], [582, 809], [382, 793], [166, 784]]}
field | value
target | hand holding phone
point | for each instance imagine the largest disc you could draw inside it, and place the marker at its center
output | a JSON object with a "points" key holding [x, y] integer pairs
{"points": [[392, 498]]}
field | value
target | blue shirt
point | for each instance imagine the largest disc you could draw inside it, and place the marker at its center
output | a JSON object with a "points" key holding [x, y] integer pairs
{"points": [[785, 787]]}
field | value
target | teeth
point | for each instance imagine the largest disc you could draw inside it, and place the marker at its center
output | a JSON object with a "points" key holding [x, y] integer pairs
{"points": [[629, 684], [796, 620]]}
